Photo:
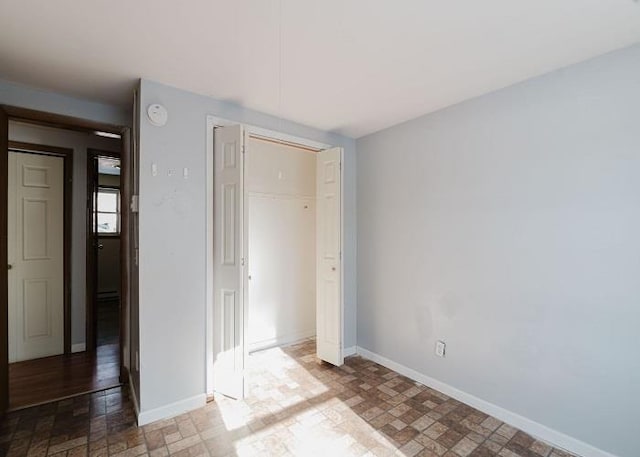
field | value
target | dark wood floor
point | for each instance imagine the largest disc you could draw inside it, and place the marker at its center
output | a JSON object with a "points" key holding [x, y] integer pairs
{"points": [[108, 331], [38, 381]]}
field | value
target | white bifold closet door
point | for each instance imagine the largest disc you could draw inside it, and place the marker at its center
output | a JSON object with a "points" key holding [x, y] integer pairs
{"points": [[229, 282], [230, 277], [329, 314]]}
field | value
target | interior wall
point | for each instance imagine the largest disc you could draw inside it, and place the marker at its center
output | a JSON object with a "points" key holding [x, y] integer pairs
{"points": [[173, 236], [79, 142], [14, 94], [281, 185], [508, 226]]}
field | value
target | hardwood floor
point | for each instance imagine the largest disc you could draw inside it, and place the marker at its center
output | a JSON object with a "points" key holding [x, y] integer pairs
{"points": [[37, 381], [108, 315], [33, 382]]}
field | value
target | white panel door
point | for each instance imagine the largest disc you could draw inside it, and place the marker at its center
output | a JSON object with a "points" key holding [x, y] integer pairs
{"points": [[329, 313], [36, 256], [229, 239]]}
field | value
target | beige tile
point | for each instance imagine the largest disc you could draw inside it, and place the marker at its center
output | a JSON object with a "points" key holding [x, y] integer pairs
{"points": [[183, 444], [422, 423], [66, 445], [464, 447], [132, 452], [411, 449], [360, 409]]}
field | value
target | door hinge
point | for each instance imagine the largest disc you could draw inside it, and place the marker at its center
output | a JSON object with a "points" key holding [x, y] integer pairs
{"points": [[242, 261], [135, 203]]}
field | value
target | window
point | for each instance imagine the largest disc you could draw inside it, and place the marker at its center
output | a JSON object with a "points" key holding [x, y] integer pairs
{"points": [[108, 211]]}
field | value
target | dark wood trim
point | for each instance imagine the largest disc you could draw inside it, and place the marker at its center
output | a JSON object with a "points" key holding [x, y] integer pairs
{"points": [[102, 153], [39, 148], [92, 257], [59, 120], [4, 270], [125, 258], [67, 155]]}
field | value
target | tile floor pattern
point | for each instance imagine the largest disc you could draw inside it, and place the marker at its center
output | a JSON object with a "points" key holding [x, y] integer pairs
{"points": [[296, 407]]}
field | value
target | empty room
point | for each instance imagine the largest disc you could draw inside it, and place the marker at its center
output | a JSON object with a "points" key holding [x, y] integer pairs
{"points": [[296, 228]]}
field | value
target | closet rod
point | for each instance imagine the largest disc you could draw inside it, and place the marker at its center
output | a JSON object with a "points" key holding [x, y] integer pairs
{"points": [[283, 142]]}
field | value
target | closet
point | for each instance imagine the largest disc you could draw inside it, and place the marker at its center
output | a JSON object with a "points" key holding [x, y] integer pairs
{"points": [[280, 192], [277, 250]]}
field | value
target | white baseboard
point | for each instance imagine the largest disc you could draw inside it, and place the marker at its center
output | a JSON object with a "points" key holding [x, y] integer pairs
{"points": [[353, 350], [542, 432], [78, 347], [172, 409], [282, 340]]}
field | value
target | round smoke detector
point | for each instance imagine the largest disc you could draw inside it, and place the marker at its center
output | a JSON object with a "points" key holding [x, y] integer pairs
{"points": [[157, 114]]}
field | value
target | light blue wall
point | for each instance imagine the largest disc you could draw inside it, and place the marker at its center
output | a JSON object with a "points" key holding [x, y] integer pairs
{"points": [[172, 238], [27, 97], [508, 226]]}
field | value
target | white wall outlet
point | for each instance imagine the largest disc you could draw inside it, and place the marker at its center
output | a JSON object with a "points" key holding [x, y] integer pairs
{"points": [[440, 348]]}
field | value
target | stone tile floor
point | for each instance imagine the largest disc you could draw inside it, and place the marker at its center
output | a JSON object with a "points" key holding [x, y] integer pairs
{"points": [[296, 407]]}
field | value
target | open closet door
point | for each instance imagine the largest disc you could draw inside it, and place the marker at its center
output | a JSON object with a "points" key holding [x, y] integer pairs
{"points": [[228, 261], [4, 267], [329, 313]]}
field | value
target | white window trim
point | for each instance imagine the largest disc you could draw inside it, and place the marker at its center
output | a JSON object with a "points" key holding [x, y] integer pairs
{"points": [[118, 213]]}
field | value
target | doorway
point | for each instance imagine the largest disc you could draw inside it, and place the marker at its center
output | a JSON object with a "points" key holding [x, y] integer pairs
{"points": [[280, 194], [104, 203], [291, 196], [44, 351]]}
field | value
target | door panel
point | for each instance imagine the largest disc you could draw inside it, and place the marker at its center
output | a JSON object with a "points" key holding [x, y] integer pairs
{"points": [[229, 262], [329, 257], [36, 256]]}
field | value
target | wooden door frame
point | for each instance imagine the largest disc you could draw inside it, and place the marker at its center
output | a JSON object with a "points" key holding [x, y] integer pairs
{"points": [[69, 123], [67, 156], [91, 254]]}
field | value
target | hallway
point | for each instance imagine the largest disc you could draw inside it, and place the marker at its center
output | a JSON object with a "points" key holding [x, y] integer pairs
{"points": [[32, 382]]}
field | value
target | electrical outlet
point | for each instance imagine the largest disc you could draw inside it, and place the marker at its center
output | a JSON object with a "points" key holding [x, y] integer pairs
{"points": [[440, 348]]}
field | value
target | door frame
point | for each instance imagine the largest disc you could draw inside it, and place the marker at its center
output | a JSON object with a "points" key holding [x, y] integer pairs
{"points": [[265, 134], [91, 253], [7, 113], [67, 156]]}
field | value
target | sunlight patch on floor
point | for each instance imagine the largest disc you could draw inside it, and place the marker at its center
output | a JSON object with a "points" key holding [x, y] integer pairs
{"points": [[274, 417]]}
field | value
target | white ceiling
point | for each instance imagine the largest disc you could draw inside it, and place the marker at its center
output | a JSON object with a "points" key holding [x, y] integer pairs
{"points": [[350, 66]]}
